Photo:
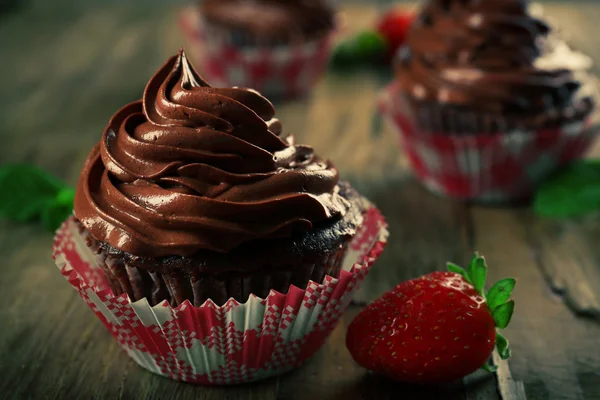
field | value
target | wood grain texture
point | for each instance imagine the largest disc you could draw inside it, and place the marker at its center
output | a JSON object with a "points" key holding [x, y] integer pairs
{"points": [[555, 348], [67, 66], [566, 251], [508, 388]]}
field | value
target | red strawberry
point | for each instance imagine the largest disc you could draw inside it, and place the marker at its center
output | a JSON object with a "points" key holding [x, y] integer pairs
{"points": [[394, 26], [436, 328]]}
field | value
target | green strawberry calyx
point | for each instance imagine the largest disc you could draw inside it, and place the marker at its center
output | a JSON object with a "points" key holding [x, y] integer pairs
{"points": [[498, 299]]}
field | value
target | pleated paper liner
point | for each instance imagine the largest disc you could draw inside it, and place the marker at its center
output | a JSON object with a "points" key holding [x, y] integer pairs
{"points": [[178, 284], [233, 343], [277, 71], [479, 166]]}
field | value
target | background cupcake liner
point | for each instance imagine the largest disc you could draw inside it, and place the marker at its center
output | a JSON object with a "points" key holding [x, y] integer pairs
{"points": [[234, 343], [280, 71], [481, 166]]}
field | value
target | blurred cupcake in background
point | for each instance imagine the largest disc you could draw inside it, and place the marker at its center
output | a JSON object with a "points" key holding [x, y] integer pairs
{"points": [[487, 100], [277, 47]]}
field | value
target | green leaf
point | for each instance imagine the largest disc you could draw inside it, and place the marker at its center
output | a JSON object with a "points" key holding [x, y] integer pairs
{"points": [[58, 210], [503, 313], [502, 346], [20, 209], [457, 269], [478, 272], [364, 48], [489, 368], [28, 193], [53, 217], [573, 191], [66, 197], [500, 292], [25, 190], [343, 54], [370, 44]]}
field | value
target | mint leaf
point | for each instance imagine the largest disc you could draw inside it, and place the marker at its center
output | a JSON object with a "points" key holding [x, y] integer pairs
{"points": [[500, 292], [58, 209], [573, 191], [21, 209], [503, 313], [502, 346], [478, 272], [457, 269], [25, 189], [52, 217], [66, 197], [28, 193]]}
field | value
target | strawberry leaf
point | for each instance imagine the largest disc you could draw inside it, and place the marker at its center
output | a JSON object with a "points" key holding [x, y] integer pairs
{"points": [[500, 292], [503, 313], [489, 368], [502, 346], [457, 269], [478, 272]]}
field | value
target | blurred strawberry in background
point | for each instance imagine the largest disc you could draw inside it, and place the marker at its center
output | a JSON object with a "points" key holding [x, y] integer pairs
{"points": [[378, 45], [393, 26]]}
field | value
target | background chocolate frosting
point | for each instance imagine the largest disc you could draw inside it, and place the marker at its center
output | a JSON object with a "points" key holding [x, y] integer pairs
{"points": [[483, 56], [286, 20], [193, 167]]}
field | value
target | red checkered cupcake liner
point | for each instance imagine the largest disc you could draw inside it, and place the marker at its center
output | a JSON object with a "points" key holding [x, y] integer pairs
{"points": [[277, 71], [500, 167], [230, 344]]}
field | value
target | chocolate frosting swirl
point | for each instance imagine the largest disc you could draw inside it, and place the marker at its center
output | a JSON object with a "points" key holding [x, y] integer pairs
{"points": [[483, 56], [193, 167], [286, 20]]}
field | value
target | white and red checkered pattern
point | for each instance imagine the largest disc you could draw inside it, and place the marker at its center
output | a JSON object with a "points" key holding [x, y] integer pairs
{"points": [[274, 71], [486, 167], [224, 345]]}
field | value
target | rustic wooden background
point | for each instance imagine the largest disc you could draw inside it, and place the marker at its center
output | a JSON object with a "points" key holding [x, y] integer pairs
{"points": [[66, 66]]}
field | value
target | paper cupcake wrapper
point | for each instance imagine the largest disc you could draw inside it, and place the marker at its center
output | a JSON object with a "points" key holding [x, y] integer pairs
{"points": [[484, 167], [281, 71], [198, 287], [234, 343]]}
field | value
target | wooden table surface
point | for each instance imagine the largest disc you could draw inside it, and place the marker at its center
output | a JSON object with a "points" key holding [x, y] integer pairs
{"points": [[64, 69]]}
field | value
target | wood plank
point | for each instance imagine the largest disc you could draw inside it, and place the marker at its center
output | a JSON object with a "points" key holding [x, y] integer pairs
{"points": [[86, 59], [565, 250], [564, 253], [509, 388], [552, 347]]}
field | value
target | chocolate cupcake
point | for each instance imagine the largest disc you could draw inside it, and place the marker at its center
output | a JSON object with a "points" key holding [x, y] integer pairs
{"points": [[267, 22], [194, 193], [278, 47], [212, 247], [485, 110]]}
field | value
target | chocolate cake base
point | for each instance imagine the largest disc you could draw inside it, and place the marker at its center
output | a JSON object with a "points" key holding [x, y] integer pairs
{"points": [[253, 268]]}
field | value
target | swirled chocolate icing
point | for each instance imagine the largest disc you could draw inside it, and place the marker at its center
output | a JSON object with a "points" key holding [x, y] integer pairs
{"points": [[483, 56], [192, 167], [264, 20]]}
